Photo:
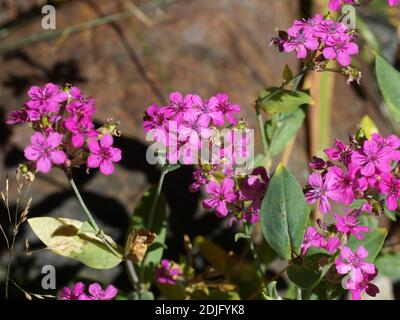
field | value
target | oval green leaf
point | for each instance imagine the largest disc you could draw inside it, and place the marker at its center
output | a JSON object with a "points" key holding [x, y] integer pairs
{"points": [[66, 238], [284, 214]]}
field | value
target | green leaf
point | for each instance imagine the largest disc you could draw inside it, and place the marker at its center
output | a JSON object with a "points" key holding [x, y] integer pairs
{"points": [[281, 128], [287, 74], [278, 100], [389, 84], [373, 242], [272, 292], [303, 277], [369, 127], [389, 265], [65, 238], [140, 219], [284, 214], [86, 228]]}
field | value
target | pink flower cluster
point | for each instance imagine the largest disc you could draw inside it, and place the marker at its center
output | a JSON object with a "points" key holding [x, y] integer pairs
{"points": [[335, 5], [95, 292], [365, 170], [237, 196], [319, 39], [65, 134], [362, 170], [186, 121], [168, 272]]}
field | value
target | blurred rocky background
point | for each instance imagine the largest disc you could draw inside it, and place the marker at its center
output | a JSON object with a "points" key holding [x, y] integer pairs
{"points": [[152, 48]]}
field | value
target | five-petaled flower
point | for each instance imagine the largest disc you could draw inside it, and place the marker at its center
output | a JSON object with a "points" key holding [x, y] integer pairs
{"points": [[103, 154]]}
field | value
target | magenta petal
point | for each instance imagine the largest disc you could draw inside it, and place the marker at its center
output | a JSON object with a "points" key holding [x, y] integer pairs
{"points": [[107, 141], [43, 164], [95, 289], [58, 156], [106, 167], [94, 147], [77, 140], [54, 140], [110, 292], [32, 153], [94, 161], [116, 154]]}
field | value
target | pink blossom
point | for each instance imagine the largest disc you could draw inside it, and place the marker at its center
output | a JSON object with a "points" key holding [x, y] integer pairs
{"points": [[225, 108], [358, 288], [18, 116], [45, 151], [103, 155], [81, 130], [393, 3], [372, 159], [168, 272], [390, 186], [76, 293], [340, 152], [334, 5], [309, 24], [332, 244], [321, 188], [220, 196], [46, 100], [348, 224], [81, 108], [97, 293], [339, 47], [312, 239], [329, 27], [301, 41], [178, 105], [353, 263], [207, 107], [156, 118]]}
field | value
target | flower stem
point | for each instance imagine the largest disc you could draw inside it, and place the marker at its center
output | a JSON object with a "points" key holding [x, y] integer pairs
{"points": [[262, 132], [248, 232], [156, 198], [82, 203]]}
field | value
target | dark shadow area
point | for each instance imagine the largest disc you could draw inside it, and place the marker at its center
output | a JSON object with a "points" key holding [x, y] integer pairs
{"points": [[61, 72]]}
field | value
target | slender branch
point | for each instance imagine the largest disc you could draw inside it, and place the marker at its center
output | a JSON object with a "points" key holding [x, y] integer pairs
{"points": [[248, 232]]}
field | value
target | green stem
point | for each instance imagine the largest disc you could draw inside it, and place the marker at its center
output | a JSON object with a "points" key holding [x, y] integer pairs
{"points": [[248, 232], [156, 198], [262, 132], [82, 203]]}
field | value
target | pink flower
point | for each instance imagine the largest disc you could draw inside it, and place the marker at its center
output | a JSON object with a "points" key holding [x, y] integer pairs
{"points": [[358, 288], [83, 107], [156, 118], [390, 185], [348, 224], [45, 100], [220, 196], [353, 263], [301, 41], [332, 244], [334, 5], [225, 108], [195, 123], [81, 129], [393, 3], [340, 152], [103, 155], [207, 107], [309, 24], [339, 47], [319, 188], [97, 293], [168, 272], [178, 105], [328, 28], [372, 159], [77, 292], [44, 150], [312, 239], [18, 116]]}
